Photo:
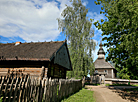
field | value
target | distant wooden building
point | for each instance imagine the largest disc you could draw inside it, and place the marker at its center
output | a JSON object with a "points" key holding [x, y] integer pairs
{"points": [[102, 66], [52, 58]]}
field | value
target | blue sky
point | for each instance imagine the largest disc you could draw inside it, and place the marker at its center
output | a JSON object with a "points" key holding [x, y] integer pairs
{"points": [[35, 20]]}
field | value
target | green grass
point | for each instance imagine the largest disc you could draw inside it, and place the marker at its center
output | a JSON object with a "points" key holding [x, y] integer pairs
{"points": [[133, 89], [83, 95], [135, 85], [107, 84]]}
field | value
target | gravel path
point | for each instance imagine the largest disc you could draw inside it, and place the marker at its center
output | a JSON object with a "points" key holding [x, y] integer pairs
{"points": [[103, 94]]}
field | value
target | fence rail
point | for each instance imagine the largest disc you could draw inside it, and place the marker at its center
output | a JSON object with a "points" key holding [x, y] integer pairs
{"points": [[30, 89]]}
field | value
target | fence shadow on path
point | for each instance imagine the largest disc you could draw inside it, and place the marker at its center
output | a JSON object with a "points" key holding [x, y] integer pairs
{"points": [[127, 93]]}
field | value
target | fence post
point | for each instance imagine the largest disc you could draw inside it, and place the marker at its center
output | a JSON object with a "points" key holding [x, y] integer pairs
{"points": [[42, 72], [83, 81], [45, 74], [91, 77]]}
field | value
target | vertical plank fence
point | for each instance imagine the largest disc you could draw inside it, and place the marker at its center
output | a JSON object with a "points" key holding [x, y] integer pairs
{"points": [[30, 89]]}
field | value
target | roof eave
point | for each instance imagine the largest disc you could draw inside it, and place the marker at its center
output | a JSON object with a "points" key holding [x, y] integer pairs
{"points": [[27, 59], [104, 68]]}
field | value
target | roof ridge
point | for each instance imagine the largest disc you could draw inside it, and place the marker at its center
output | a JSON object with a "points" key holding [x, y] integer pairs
{"points": [[95, 60], [34, 42], [110, 64]]}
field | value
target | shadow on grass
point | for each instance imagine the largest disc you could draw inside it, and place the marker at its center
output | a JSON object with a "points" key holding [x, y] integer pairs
{"points": [[65, 98], [128, 93]]}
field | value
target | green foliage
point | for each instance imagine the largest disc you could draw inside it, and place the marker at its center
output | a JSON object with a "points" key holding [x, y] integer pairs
{"points": [[77, 29], [121, 33], [83, 95], [132, 89], [107, 84], [1, 99]]}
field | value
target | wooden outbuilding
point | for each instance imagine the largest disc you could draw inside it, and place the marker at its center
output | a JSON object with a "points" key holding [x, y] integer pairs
{"points": [[102, 66], [45, 59]]}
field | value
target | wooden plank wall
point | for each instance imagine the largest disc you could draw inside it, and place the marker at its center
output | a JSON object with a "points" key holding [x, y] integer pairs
{"points": [[30, 89], [109, 74], [31, 71]]}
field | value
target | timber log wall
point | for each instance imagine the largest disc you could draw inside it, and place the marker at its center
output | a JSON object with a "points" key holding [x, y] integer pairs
{"points": [[35, 72]]}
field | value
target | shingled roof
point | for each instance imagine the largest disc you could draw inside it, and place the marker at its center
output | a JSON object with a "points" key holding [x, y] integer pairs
{"points": [[101, 63], [29, 51]]}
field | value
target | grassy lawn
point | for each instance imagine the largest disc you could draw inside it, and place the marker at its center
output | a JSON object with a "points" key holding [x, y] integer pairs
{"points": [[83, 95]]}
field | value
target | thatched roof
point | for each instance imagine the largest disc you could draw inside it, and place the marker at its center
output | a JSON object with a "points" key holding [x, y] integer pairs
{"points": [[29, 51], [101, 63]]}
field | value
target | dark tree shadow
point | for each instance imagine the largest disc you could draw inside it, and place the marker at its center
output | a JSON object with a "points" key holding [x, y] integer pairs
{"points": [[130, 94]]}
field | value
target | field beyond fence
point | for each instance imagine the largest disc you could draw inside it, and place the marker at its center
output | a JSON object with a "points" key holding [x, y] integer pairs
{"points": [[30, 89]]}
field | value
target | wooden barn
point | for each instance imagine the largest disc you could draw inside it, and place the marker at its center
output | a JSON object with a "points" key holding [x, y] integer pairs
{"points": [[47, 59], [102, 66]]}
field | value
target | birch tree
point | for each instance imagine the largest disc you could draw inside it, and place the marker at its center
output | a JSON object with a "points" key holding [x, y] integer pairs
{"points": [[78, 30]]}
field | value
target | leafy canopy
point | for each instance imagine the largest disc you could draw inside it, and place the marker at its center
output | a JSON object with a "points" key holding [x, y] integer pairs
{"points": [[121, 33]]}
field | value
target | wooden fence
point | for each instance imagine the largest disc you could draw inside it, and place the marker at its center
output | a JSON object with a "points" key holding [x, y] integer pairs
{"points": [[30, 89]]}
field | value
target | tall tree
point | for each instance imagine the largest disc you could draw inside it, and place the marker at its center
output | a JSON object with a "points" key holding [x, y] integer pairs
{"points": [[77, 29], [121, 31]]}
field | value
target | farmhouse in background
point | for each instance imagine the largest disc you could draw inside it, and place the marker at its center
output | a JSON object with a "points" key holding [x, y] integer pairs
{"points": [[102, 66], [48, 59]]}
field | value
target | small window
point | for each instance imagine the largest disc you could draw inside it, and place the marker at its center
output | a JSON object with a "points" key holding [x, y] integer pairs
{"points": [[96, 71], [106, 71]]}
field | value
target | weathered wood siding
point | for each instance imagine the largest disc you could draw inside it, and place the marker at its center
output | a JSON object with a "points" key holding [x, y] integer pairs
{"points": [[56, 71], [109, 74], [32, 68], [31, 71], [62, 58], [3, 71]]}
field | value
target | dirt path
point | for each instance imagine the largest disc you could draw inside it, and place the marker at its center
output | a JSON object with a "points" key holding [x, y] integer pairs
{"points": [[103, 94]]}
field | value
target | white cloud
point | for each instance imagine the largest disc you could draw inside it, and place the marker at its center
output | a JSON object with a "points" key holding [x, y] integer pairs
{"points": [[96, 16], [97, 35], [32, 20], [84, 2]]}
